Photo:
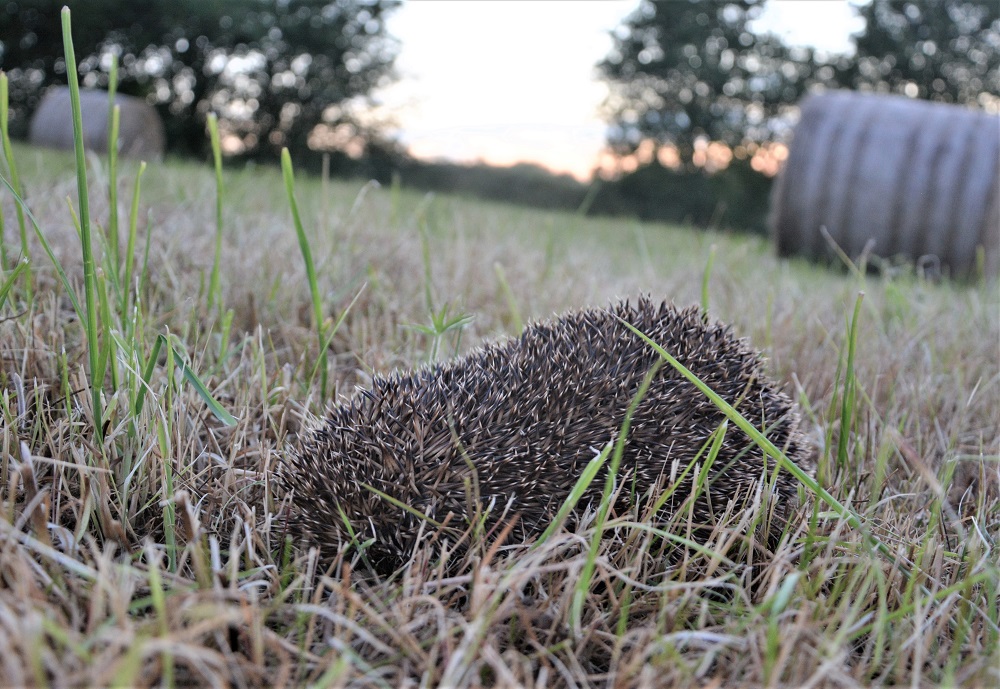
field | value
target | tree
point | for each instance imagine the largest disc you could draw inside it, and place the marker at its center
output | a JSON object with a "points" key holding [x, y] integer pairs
{"points": [[693, 68], [277, 72], [683, 70], [942, 50]]}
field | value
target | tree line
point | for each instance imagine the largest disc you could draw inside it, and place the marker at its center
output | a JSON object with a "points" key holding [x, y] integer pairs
{"points": [[301, 74], [684, 72], [273, 70]]}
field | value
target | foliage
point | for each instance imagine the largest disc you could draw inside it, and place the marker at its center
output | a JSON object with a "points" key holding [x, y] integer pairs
{"points": [[524, 184], [683, 70], [272, 71], [733, 198], [657, 192], [946, 50]]}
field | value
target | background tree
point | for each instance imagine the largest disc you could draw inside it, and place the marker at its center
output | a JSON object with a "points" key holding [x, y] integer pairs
{"points": [[683, 70], [278, 73], [942, 50], [695, 69]]}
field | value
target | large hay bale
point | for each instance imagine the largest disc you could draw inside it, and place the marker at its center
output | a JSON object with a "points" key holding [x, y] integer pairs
{"points": [[140, 131], [891, 176]]}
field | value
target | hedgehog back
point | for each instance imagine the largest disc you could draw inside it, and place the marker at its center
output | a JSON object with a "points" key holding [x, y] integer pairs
{"points": [[529, 414]]}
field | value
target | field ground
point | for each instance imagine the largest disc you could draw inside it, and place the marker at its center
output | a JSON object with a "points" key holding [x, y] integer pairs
{"points": [[154, 554]]}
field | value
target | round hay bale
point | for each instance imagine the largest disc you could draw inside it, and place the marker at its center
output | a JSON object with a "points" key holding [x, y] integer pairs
{"points": [[140, 130], [890, 176]]}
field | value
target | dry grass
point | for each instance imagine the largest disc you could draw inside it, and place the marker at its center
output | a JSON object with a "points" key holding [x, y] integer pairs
{"points": [[154, 554]]}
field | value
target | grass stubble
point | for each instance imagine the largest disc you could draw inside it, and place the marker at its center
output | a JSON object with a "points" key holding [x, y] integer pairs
{"points": [[141, 543]]}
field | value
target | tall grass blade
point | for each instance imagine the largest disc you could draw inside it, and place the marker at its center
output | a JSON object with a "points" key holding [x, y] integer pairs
{"points": [[767, 446], [159, 599], [579, 488], [192, 378], [213, 284], [176, 357], [89, 277], [425, 252], [324, 186], [63, 279], [582, 588], [106, 353], [289, 177], [9, 281], [333, 330], [147, 375], [15, 180], [133, 221], [588, 200], [850, 386], [508, 293], [706, 277], [114, 121], [401, 505], [4, 259], [714, 445]]}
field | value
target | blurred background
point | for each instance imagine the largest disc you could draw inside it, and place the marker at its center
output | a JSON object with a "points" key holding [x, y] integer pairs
{"points": [[677, 111]]}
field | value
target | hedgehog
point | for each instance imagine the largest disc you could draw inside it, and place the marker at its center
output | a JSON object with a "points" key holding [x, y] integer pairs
{"points": [[506, 431]]}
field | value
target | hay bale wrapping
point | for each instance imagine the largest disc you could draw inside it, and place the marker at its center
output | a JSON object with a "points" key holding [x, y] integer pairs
{"points": [[140, 132], [891, 176]]}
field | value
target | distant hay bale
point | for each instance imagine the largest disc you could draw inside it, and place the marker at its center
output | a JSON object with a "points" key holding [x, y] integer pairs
{"points": [[140, 132], [890, 176]]}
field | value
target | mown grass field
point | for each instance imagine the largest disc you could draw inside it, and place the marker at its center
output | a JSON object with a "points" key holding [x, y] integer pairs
{"points": [[150, 549]]}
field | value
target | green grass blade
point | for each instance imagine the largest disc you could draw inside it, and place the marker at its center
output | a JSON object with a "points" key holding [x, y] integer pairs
{"points": [[332, 331], [213, 283], [508, 293], [9, 281], [761, 440], [89, 276], [176, 357], [425, 253], [157, 591], [588, 200], [706, 277], [694, 546], [850, 386], [581, 485], [15, 180], [582, 588], [147, 375], [114, 122], [4, 258], [107, 349], [192, 378], [714, 445], [401, 505], [63, 279], [289, 178], [133, 221]]}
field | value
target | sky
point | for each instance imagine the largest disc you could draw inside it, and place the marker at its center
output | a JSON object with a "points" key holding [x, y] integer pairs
{"points": [[504, 81]]}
